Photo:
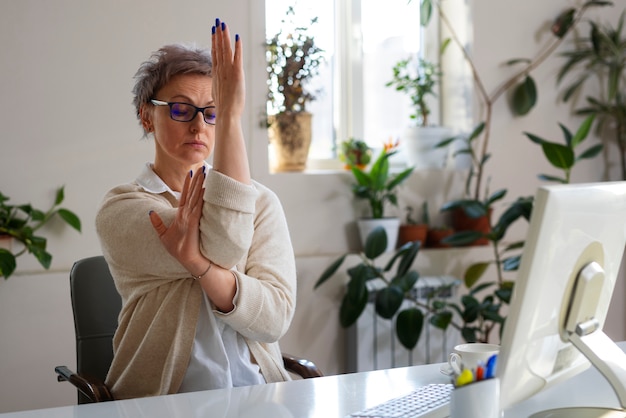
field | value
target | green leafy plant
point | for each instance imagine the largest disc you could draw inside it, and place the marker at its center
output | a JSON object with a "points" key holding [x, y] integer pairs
{"points": [[418, 80], [475, 316], [378, 186], [21, 222], [563, 156], [392, 284], [293, 59], [355, 152], [601, 56]]}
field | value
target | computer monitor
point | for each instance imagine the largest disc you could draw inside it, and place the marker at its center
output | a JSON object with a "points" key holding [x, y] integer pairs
{"points": [[569, 266]]}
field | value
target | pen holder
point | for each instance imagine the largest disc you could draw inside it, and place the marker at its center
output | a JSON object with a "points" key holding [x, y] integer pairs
{"points": [[476, 400]]}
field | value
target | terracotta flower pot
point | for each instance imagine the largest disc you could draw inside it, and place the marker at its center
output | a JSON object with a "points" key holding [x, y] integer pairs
{"points": [[462, 222], [412, 232], [435, 235]]}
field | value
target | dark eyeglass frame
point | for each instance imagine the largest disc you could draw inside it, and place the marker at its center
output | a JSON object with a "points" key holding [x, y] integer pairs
{"points": [[193, 115]]}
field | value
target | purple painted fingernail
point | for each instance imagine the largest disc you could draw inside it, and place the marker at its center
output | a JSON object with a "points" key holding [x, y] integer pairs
{"points": [[213, 30], [223, 26], [236, 37]]}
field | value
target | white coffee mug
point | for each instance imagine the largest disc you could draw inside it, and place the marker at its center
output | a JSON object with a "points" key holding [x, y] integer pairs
{"points": [[469, 355]]}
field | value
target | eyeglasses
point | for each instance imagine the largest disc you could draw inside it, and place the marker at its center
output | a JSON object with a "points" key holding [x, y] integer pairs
{"points": [[185, 112]]}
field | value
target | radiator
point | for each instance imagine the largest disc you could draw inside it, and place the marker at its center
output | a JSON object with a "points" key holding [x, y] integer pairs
{"points": [[371, 344]]}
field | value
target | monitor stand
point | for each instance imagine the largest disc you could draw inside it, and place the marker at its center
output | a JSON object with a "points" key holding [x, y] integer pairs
{"points": [[583, 330]]}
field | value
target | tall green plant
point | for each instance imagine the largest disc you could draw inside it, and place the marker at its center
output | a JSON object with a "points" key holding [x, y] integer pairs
{"points": [[521, 87], [601, 56], [20, 222]]}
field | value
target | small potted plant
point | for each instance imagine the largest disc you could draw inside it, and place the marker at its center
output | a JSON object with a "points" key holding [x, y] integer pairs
{"points": [[20, 222], [418, 78], [355, 152], [293, 59], [412, 229], [378, 187]]}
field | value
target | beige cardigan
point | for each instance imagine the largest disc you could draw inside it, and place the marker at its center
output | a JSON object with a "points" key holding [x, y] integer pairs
{"points": [[242, 226]]}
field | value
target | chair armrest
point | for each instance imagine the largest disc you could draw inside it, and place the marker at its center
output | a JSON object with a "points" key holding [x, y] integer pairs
{"points": [[93, 389], [300, 366]]}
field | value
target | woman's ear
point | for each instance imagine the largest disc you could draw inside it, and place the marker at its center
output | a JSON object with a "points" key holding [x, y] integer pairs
{"points": [[145, 115]]}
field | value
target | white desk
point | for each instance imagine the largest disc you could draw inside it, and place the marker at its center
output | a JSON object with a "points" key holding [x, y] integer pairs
{"points": [[326, 397]]}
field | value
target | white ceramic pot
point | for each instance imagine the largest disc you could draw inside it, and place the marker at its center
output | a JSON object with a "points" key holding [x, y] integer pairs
{"points": [[419, 147], [391, 225]]}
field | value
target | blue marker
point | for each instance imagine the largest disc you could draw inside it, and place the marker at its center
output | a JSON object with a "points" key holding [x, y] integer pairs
{"points": [[490, 369]]}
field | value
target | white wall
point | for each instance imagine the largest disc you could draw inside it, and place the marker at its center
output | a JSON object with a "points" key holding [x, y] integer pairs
{"points": [[66, 118]]}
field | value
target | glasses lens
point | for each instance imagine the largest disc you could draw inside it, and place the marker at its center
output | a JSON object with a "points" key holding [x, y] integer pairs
{"points": [[209, 115], [182, 112]]}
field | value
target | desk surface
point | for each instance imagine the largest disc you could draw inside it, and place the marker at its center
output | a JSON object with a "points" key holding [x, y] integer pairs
{"points": [[330, 396]]}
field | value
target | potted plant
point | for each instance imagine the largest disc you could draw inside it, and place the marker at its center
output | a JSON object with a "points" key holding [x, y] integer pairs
{"points": [[378, 186], [418, 78], [293, 59], [601, 56], [413, 230], [20, 222], [355, 152]]}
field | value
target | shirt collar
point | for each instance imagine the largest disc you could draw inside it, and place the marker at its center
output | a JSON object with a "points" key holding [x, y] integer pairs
{"points": [[152, 183]]}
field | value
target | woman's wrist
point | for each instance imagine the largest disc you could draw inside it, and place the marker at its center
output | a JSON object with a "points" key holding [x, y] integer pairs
{"points": [[204, 273]]}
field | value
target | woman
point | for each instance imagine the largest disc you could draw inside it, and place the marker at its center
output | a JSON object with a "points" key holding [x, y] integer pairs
{"points": [[200, 255]]}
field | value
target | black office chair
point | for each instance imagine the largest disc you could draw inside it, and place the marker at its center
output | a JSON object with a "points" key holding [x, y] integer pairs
{"points": [[96, 306]]}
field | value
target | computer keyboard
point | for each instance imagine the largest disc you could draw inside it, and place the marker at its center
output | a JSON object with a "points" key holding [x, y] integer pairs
{"points": [[429, 401]]}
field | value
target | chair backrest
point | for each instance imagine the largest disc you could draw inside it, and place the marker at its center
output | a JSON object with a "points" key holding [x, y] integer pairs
{"points": [[96, 305]]}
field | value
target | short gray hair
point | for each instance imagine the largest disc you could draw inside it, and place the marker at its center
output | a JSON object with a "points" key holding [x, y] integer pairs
{"points": [[167, 62]]}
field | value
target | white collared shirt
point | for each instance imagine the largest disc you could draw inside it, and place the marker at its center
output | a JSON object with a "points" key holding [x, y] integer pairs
{"points": [[220, 357]]}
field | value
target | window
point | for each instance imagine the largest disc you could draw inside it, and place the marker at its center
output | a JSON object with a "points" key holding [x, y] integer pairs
{"points": [[363, 39]]}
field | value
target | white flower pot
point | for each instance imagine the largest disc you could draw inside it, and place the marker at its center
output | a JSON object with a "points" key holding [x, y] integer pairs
{"points": [[419, 147], [391, 226]]}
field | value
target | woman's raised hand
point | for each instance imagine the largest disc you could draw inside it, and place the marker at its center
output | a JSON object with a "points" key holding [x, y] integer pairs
{"points": [[228, 76]]}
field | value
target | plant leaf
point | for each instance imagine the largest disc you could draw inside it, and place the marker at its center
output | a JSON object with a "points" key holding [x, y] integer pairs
{"points": [[474, 273], [376, 243], [409, 326], [330, 270], [558, 155], [70, 217], [388, 301], [353, 303], [524, 97], [7, 263]]}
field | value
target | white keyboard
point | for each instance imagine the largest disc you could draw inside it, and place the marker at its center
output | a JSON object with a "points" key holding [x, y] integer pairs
{"points": [[429, 401]]}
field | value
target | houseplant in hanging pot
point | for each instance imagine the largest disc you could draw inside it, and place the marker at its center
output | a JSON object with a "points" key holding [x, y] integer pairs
{"points": [[378, 187], [418, 78], [19, 223], [293, 59]]}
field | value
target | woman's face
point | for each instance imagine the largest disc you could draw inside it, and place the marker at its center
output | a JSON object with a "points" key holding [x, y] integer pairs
{"points": [[181, 145]]}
